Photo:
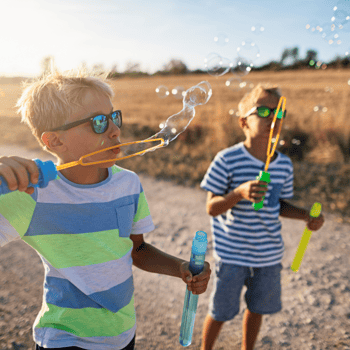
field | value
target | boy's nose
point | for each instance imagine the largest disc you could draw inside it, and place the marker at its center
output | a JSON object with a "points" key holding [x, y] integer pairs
{"points": [[114, 131]]}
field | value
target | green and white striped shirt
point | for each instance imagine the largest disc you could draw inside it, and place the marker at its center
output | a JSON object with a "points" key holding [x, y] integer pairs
{"points": [[82, 234]]}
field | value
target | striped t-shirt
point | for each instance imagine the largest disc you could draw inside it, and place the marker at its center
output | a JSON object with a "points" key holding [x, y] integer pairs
{"points": [[82, 235], [243, 236]]}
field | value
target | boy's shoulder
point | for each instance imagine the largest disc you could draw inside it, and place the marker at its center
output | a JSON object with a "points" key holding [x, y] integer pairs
{"points": [[231, 151], [120, 172]]}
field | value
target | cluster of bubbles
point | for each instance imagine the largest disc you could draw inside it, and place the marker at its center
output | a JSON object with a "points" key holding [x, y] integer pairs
{"points": [[242, 62], [163, 92], [338, 25]]}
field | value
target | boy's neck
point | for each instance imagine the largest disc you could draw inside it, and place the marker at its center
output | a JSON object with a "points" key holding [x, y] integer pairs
{"points": [[84, 175], [257, 150]]}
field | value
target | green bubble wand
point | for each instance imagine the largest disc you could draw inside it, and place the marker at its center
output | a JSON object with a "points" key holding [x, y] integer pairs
{"points": [[315, 213], [264, 175]]}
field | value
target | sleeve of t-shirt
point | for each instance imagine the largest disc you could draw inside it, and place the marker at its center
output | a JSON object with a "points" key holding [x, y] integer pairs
{"points": [[7, 232], [16, 211], [216, 179], [142, 222], [287, 191]]}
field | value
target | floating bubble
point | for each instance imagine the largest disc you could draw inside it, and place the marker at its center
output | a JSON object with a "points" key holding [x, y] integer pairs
{"points": [[257, 29], [162, 91], [311, 27], [248, 85], [339, 19], [178, 92], [234, 83], [320, 109], [198, 94], [221, 39], [329, 37], [248, 50], [233, 112], [296, 142], [241, 66], [216, 65], [174, 125], [341, 15], [348, 82], [177, 123]]}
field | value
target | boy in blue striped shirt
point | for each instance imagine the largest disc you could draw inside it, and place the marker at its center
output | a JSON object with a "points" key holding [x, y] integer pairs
{"points": [[248, 246], [88, 224]]}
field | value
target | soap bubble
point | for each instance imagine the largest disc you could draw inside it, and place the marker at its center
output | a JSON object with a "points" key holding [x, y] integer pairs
{"points": [[311, 27], [174, 125], [178, 92], [248, 85], [198, 94], [216, 65], [194, 96], [320, 109], [234, 83], [241, 66], [221, 39], [257, 29], [233, 112], [342, 5], [296, 142], [162, 91], [249, 50]]}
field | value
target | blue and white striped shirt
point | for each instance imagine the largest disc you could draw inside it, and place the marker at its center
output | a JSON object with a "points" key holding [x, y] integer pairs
{"points": [[243, 236]]}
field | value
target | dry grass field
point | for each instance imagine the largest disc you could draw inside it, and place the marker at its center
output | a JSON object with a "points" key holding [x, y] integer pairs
{"points": [[324, 136]]}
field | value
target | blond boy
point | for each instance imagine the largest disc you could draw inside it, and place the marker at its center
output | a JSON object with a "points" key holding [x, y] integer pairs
{"points": [[248, 243], [88, 224]]}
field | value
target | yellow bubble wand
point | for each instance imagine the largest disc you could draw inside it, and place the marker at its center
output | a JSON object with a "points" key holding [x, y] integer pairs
{"points": [[264, 175], [304, 241]]}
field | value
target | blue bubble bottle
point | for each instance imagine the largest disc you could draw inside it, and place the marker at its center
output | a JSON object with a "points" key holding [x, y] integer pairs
{"points": [[47, 172], [199, 248]]}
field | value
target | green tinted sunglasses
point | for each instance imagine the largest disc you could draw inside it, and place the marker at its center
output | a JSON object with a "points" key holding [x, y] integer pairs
{"points": [[264, 112]]}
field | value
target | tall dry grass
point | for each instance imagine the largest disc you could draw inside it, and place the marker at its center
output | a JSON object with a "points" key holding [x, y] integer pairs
{"points": [[321, 161]]}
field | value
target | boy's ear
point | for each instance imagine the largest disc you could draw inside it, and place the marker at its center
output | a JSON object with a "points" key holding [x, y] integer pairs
{"points": [[242, 122], [52, 140]]}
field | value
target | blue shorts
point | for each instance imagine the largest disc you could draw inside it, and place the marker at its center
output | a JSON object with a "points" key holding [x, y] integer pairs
{"points": [[263, 295]]}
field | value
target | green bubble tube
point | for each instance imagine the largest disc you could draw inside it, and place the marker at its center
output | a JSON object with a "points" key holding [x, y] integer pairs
{"points": [[263, 176], [315, 212]]}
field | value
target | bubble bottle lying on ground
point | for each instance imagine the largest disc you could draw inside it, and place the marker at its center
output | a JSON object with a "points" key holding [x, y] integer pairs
{"points": [[199, 248], [174, 126]]}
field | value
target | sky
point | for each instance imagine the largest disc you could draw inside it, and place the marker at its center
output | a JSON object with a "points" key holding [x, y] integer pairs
{"points": [[117, 32]]}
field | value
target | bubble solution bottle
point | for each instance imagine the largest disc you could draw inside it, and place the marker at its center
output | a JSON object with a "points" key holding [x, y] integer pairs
{"points": [[199, 248], [47, 172]]}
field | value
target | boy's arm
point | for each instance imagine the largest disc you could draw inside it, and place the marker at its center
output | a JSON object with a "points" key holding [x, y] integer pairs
{"points": [[148, 258], [217, 205], [290, 211]]}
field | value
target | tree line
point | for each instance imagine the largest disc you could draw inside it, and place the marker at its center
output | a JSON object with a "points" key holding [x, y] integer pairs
{"points": [[289, 60]]}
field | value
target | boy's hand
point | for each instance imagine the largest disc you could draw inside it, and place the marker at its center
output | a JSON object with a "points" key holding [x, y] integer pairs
{"points": [[250, 190], [315, 224], [196, 284], [15, 172]]}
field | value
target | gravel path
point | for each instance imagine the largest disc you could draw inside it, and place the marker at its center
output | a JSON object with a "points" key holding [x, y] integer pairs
{"points": [[315, 301]]}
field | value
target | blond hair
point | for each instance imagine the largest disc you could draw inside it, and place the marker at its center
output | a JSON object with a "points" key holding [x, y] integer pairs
{"points": [[48, 102], [249, 100]]}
